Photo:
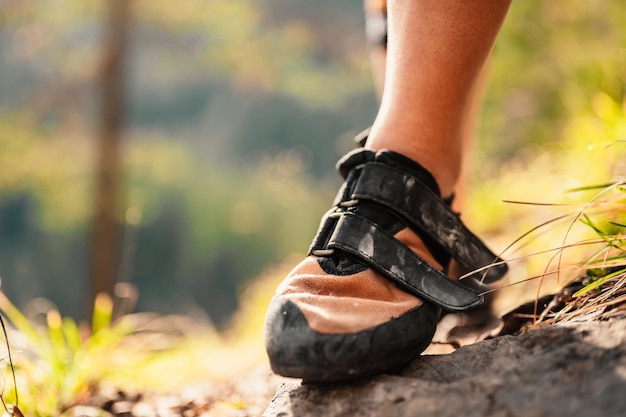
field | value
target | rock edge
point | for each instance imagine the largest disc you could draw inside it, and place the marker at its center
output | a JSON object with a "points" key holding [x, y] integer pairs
{"points": [[573, 369]]}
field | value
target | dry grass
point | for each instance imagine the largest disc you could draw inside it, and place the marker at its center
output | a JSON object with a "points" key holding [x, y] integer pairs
{"points": [[599, 227]]}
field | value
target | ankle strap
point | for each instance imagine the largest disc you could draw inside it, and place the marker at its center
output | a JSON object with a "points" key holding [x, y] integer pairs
{"points": [[426, 212]]}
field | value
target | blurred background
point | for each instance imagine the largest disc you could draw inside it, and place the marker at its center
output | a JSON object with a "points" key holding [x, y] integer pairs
{"points": [[187, 147]]}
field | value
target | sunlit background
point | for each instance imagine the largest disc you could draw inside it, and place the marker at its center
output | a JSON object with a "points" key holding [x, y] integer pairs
{"points": [[233, 115]]}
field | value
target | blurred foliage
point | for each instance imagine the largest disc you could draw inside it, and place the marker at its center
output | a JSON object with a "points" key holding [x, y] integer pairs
{"points": [[548, 64], [58, 363], [237, 112]]}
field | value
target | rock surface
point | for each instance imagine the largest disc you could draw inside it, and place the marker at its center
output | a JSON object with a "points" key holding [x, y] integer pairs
{"points": [[573, 369]]}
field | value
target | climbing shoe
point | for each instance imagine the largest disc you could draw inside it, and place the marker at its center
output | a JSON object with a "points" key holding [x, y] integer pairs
{"points": [[369, 295]]}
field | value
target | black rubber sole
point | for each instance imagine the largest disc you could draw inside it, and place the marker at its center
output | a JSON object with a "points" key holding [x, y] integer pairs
{"points": [[295, 350]]}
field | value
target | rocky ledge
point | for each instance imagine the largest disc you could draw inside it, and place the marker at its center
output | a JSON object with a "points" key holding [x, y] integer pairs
{"points": [[570, 369]]}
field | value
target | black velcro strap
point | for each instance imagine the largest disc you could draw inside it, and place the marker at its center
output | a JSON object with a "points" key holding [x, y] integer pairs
{"points": [[358, 236], [408, 196]]}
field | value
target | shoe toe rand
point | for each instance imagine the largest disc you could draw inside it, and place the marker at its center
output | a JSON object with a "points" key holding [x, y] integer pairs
{"points": [[296, 350]]}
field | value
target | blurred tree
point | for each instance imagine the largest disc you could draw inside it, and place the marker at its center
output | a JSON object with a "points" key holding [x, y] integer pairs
{"points": [[105, 252]]}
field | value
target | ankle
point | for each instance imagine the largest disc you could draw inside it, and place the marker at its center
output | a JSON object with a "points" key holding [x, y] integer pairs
{"points": [[443, 162]]}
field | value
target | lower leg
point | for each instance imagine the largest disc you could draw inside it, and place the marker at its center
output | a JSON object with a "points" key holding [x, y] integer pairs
{"points": [[376, 25], [435, 55]]}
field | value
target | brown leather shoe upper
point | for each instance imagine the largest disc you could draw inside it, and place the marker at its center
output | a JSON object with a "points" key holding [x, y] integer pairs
{"points": [[334, 304]]}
